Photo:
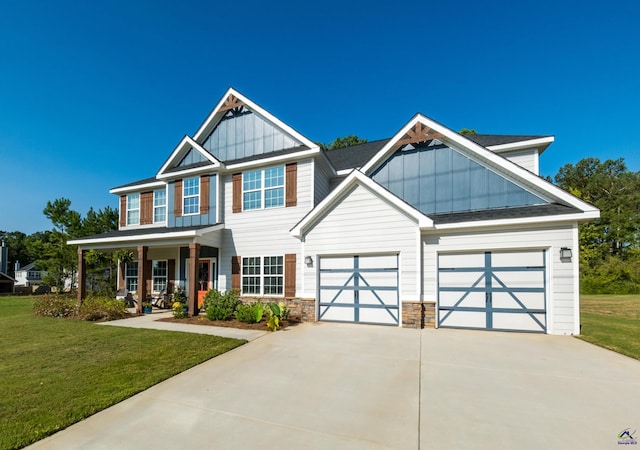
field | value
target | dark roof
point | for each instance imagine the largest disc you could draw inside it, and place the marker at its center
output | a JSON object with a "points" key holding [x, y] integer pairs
{"points": [[358, 155], [552, 209], [142, 232], [286, 151], [489, 140], [136, 183], [354, 156], [4, 278]]}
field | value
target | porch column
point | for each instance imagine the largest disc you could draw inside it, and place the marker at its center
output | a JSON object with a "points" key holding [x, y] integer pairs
{"points": [[82, 276], [194, 253], [142, 276]]}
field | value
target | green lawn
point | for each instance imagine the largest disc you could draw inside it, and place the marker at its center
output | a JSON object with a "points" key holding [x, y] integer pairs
{"points": [[612, 321], [56, 372]]}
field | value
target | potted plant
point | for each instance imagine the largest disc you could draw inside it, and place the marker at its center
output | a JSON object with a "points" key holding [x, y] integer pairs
{"points": [[179, 296], [146, 307]]}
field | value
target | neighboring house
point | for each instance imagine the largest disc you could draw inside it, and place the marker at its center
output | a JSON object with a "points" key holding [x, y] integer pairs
{"points": [[7, 284], [29, 275], [429, 227]]}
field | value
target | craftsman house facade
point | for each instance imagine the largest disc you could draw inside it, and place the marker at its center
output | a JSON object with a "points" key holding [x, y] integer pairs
{"points": [[429, 227]]}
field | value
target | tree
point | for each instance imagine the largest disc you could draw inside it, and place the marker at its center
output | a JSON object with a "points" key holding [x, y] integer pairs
{"points": [[342, 142], [467, 131], [610, 245]]}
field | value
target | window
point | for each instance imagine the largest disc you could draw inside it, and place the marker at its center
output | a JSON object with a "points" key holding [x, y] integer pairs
{"points": [[263, 188], [159, 276], [133, 209], [159, 206], [191, 196], [262, 275], [131, 276]]}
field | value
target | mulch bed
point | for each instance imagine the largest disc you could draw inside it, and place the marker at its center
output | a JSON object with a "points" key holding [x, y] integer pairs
{"points": [[233, 323]]}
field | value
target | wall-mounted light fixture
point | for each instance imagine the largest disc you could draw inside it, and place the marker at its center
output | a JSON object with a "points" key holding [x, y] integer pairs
{"points": [[308, 260], [565, 253]]}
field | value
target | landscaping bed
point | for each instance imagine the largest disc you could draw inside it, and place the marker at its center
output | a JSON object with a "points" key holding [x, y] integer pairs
{"points": [[231, 323]]}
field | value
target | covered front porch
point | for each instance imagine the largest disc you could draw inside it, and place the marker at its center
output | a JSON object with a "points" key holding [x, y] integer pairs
{"points": [[158, 263]]}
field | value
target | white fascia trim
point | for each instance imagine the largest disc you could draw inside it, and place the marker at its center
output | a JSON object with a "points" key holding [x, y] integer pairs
{"points": [[482, 154], [344, 172], [183, 173], [198, 136], [274, 159], [138, 187], [148, 237], [184, 143], [357, 177], [532, 143], [579, 217]]}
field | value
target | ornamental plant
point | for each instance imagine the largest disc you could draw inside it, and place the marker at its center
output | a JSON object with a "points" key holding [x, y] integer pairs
{"points": [[221, 306]]}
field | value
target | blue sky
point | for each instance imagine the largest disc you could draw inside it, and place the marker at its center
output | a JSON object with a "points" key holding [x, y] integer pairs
{"points": [[97, 94]]}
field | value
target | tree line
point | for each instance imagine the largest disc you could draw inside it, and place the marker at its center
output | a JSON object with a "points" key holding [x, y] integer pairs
{"points": [[609, 246]]}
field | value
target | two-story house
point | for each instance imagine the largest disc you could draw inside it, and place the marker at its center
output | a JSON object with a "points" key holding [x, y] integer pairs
{"points": [[428, 227]]}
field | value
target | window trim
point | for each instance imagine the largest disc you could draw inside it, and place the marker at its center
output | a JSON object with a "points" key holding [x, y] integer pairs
{"points": [[154, 276], [129, 209], [263, 189], [262, 275], [185, 196], [156, 207]]}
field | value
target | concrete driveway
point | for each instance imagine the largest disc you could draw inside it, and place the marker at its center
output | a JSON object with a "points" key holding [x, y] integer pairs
{"points": [[335, 386]]}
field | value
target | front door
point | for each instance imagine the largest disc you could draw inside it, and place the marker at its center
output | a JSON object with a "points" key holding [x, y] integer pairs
{"points": [[206, 277]]}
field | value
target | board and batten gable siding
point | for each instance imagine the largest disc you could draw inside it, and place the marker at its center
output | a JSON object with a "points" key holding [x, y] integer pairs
{"points": [[524, 158], [363, 223], [263, 232], [321, 184], [562, 292], [207, 216]]}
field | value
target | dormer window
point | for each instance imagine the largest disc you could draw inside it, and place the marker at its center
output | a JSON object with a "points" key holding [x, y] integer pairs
{"points": [[133, 209], [191, 196], [263, 188]]}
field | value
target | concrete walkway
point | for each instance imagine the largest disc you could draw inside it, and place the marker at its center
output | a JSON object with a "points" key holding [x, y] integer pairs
{"points": [[333, 386], [151, 321]]}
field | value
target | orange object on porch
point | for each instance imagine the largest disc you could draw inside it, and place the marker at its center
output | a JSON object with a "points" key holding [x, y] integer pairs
{"points": [[201, 295]]}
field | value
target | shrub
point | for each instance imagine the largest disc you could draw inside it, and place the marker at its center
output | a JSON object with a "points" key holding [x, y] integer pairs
{"points": [[52, 305], [221, 306], [102, 308], [250, 312], [178, 310]]}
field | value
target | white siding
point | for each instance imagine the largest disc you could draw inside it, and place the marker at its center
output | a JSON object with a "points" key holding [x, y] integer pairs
{"points": [[263, 232], [524, 158], [362, 223], [562, 296]]}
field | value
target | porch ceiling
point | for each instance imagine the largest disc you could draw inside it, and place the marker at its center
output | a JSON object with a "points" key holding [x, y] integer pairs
{"points": [[151, 237]]}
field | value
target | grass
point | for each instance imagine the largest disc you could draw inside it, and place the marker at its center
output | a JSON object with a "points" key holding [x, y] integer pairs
{"points": [[612, 322], [56, 372]]}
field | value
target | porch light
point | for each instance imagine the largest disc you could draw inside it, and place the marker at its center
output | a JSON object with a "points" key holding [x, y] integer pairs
{"points": [[565, 253], [308, 260]]}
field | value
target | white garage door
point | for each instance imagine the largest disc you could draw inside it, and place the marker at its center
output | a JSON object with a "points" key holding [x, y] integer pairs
{"points": [[359, 289], [493, 290]]}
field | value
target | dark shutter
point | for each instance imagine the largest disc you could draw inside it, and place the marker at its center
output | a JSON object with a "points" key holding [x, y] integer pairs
{"points": [[204, 194], [235, 272], [171, 273], [177, 198], [237, 192], [123, 210], [290, 275], [291, 184], [146, 208]]}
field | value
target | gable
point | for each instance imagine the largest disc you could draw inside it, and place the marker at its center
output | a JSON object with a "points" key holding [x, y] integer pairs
{"points": [[437, 179], [242, 133], [192, 157], [187, 157]]}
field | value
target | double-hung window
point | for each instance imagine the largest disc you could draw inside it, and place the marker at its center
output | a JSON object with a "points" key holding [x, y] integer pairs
{"points": [[191, 196], [262, 275], [263, 188], [131, 276], [159, 206], [159, 276], [133, 209]]}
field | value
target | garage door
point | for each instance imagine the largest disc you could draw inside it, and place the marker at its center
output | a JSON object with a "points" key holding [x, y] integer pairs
{"points": [[359, 289], [493, 290]]}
